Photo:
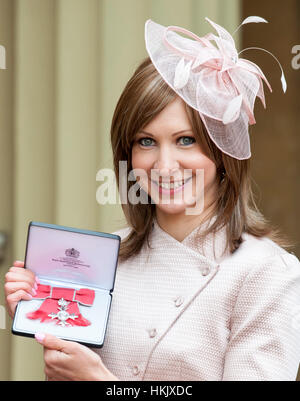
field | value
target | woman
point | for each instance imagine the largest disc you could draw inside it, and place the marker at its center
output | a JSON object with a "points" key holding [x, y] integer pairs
{"points": [[204, 289]]}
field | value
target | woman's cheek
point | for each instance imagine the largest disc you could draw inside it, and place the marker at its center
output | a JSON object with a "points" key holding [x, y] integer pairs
{"points": [[139, 158], [142, 166], [211, 173], [204, 176]]}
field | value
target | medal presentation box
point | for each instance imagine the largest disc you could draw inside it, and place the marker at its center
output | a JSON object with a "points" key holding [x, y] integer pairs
{"points": [[76, 273]]}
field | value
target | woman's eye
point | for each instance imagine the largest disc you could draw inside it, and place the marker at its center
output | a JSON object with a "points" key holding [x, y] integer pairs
{"points": [[145, 141], [186, 140]]}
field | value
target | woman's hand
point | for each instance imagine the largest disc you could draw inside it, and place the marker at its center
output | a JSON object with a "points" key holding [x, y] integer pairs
{"points": [[70, 361], [19, 284]]}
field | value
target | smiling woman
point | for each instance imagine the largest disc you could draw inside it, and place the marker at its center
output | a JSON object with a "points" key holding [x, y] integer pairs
{"points": [[208, 296], [154, 130], [225, 266]]}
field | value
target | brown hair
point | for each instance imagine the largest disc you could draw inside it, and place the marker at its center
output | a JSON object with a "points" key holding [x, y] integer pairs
{"points": [[145, 96]]}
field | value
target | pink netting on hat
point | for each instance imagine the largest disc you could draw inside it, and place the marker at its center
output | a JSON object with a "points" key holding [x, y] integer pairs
{"points": [[210, 78]]}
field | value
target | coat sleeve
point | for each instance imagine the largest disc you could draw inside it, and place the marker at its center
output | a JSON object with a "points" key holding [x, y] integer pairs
{"points": [[264, 343]]}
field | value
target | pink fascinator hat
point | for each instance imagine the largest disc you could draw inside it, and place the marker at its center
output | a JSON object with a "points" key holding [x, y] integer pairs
{"points": [[208, 74]]}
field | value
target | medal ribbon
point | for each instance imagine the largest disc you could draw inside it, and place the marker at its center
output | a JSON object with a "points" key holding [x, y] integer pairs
{"points": [[52, 295]]}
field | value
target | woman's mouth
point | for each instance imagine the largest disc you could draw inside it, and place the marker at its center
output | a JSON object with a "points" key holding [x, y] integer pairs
{"points": [[171, 187]]}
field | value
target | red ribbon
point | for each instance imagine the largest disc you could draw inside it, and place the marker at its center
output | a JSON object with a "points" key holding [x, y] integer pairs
{"points": [[53, 294]]}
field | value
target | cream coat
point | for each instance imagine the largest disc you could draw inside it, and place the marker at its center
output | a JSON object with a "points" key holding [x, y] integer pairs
{"points": [[179, 315]]}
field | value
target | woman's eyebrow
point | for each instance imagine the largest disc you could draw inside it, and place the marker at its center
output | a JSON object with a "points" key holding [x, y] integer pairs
{"points": [[175, 133]]}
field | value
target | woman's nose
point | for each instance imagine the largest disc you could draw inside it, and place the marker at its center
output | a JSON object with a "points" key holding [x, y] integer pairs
{"points": [[166, 163]]}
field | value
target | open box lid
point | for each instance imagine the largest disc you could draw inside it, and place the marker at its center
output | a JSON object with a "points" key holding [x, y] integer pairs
{"points": [[83, 257]]}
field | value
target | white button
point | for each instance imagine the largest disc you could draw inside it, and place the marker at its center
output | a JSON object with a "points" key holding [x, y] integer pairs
{"points": [[135, 370], [205, 271], [178, 301], [152, 333]]}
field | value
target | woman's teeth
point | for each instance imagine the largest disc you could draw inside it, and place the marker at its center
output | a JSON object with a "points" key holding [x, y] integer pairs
{"points": [[172, 185]]}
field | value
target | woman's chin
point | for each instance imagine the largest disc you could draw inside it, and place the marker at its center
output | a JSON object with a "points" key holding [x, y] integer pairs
{"points": [[171, 208]]}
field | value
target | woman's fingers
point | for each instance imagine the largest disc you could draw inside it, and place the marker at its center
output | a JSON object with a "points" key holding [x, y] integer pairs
{"points": [[20, 274], [18, 263], [13, 299], [20, 269], [16, 296], [13, 286], [20, 283]]}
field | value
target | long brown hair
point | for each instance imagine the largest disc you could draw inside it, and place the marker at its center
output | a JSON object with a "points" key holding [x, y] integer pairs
{"points": [[144, 97]]}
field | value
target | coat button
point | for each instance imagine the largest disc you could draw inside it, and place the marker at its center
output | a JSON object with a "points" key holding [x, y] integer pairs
{"points": [[135, 370], [205, 271], [152, 333], [178, 301]]}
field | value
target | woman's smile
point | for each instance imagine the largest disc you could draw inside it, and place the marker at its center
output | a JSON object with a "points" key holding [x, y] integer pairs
{"points": [[172, 187]]}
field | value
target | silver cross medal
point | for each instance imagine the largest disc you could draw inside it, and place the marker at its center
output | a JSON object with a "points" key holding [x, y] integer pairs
{"points": [[62, 315]]}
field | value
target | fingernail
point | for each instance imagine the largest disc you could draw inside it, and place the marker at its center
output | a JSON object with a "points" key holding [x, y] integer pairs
{"points": [[35, 286], [33, 291], [39, 337]]}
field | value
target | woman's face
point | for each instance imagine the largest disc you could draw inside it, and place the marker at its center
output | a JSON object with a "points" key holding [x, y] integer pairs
{"points": [[173, 162]]}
